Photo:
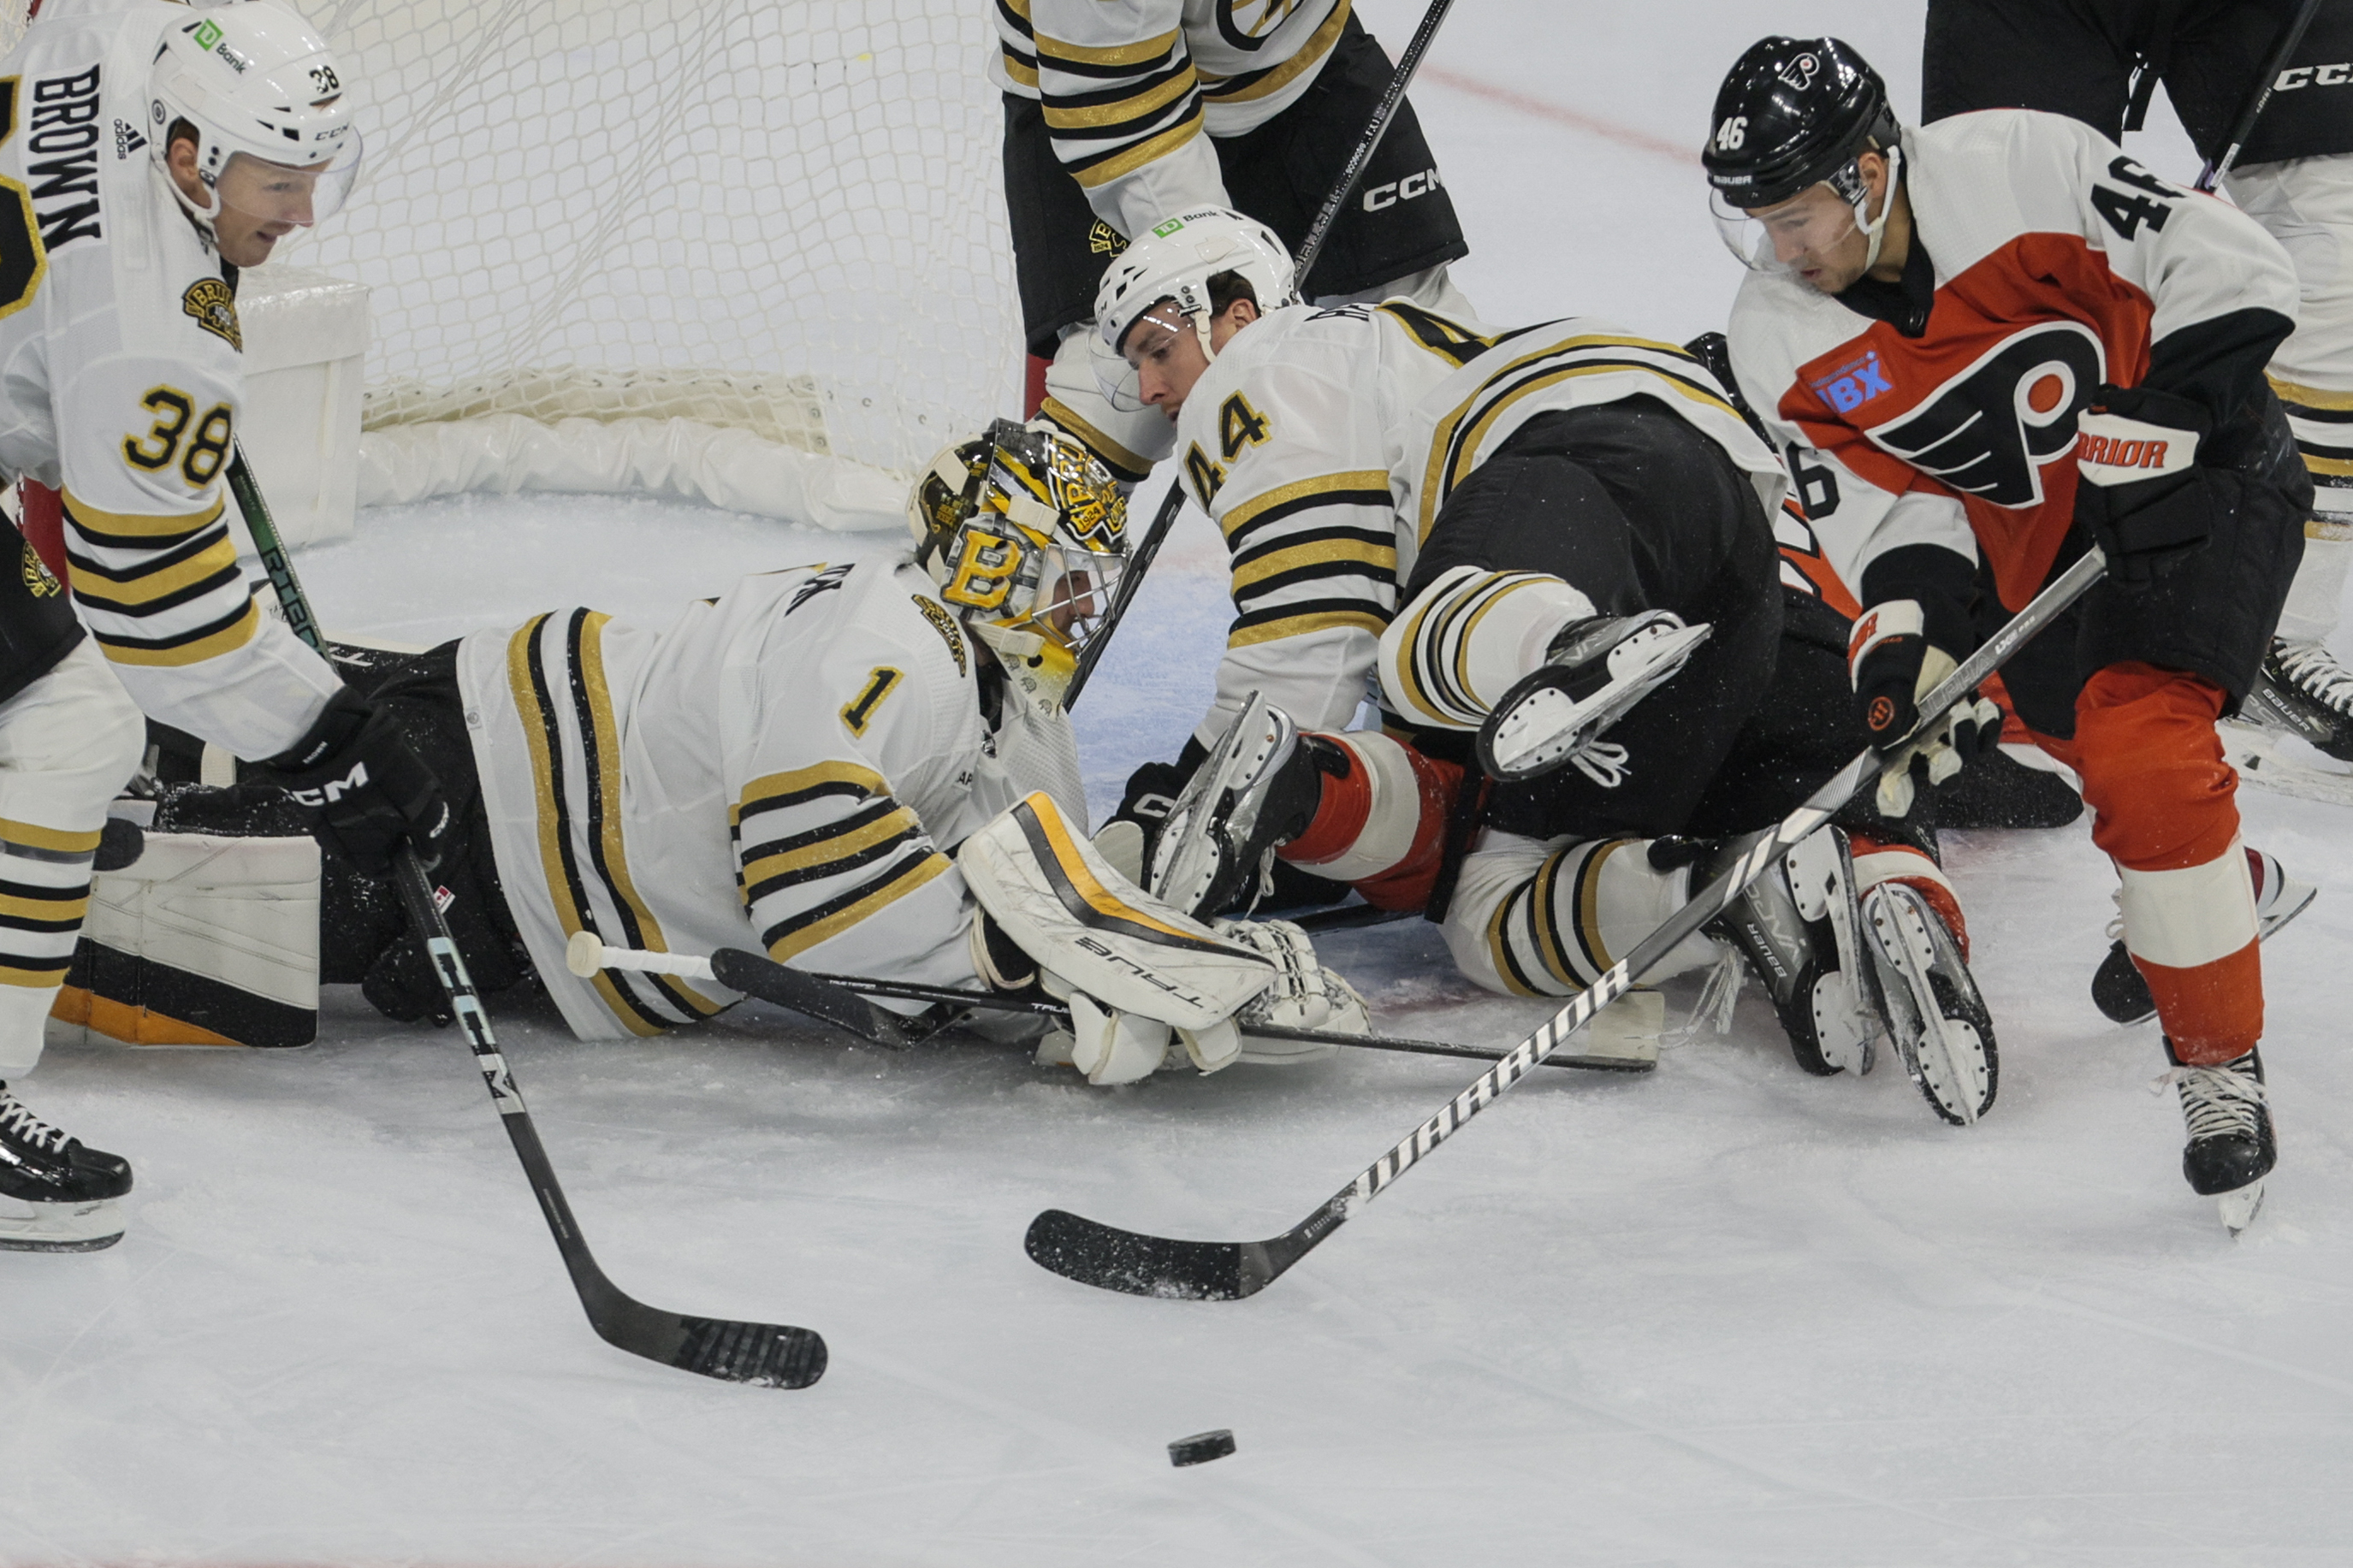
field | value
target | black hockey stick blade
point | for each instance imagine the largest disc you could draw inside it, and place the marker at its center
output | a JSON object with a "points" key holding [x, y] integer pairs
{"points": [[1110, 1258], [771, 1355], [754, 974]]}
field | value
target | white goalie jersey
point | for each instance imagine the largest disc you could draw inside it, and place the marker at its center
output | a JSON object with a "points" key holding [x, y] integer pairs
{"points": [[1324, 444], [121, 373], [785, 768]]}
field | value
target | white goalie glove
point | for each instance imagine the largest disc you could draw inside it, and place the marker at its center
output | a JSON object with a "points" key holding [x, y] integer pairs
{"points": [[1133, 969], [1305, 995]]}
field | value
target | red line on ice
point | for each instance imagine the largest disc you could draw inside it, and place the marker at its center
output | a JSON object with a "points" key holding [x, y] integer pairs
{"points": [[1538, 108]]}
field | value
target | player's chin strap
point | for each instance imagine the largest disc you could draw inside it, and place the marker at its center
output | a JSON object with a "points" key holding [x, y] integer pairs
{"points": [[1877, 228]]}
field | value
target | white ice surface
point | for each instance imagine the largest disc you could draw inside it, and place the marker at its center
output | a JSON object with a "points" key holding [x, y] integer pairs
{"points": [[1725, 1314]]}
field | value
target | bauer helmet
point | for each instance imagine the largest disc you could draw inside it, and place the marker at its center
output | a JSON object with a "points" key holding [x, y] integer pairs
{"points": [[1025, 531], [265, 97], [1794, 113], [1176, 261]]}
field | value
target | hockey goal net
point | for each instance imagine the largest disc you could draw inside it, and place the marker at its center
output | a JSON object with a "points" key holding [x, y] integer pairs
{"points": [[778, 218]]}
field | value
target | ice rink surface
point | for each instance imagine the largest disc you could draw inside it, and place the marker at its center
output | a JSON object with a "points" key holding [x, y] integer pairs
{"points": [[1725, 1314]]}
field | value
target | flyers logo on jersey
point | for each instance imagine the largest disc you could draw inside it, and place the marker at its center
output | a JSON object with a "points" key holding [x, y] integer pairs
{"points": [[214, 308], [1990, 430]]}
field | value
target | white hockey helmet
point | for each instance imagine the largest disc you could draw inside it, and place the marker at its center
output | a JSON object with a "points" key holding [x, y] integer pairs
{"points": [[1025, 531], [1176, 261], [260, 86]]}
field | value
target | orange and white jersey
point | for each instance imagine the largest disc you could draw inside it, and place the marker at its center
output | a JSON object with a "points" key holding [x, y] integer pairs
{"points": [[121, 371], [1131, 88], [2045, 263], [1324, 444], [783, 768]]}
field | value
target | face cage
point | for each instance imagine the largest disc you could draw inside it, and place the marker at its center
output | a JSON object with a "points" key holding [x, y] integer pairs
{"points": [[1749, 238], [1015, 579]]}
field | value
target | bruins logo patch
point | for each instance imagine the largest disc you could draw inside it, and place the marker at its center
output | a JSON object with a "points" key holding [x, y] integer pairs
{"points": [[38, 580], [214, 308], [1105, 240], [945, 625]]}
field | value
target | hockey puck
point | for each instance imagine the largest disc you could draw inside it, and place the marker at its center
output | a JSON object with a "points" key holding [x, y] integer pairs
{"points": [[1201, 1447]]}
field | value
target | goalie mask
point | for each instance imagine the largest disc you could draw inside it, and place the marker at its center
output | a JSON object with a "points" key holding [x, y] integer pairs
{"points": [[265, 96], [1026, 533], [1174, 263]]}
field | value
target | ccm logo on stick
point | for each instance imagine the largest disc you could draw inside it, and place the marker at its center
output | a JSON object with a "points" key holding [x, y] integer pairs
{"points": [[1403, 190]]}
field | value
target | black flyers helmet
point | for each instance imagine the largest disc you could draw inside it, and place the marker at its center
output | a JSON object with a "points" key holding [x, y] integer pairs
{"points": [[1791, 113]]}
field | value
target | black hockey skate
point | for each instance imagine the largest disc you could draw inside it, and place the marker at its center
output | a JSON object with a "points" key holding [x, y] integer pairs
{"points": [[1797, 927], [1259, 788], [1594, 670], [2232, 1146], [55, 1195], [1934, 1014], [2120, 991], [2302, 691]]}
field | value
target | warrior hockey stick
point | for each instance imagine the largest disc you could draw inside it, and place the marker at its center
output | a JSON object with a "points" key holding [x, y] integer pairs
{"points": [[1113, 1259], [2212, 175], [1309, 249], [837, 1000], [773, 1354]]}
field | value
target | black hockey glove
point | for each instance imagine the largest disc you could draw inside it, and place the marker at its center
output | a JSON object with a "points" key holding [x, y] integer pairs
{"points": [[365, 788], [2140, 490], [1152, 790], [1894, 661]]}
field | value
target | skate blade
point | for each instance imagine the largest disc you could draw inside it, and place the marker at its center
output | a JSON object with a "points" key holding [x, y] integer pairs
{"points": [[1950, 1060], [1547, 727], [60, 1227], [2262, 758], [2239, 1209]]}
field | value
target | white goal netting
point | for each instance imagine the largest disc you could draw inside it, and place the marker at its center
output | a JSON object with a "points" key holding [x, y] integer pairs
{"points": [[778, 218]]}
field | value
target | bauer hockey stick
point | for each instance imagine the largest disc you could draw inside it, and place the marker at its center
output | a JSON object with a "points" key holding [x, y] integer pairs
{"points": [[2265, 84], [1112, 1259], [1309, 249], [838, 1000], [774, 1354]]}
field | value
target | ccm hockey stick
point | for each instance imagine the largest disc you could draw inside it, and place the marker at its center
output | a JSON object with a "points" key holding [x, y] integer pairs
{"points": [[1113, 1259], [838, 1000], [773, 1355], [1309, 249], [2212, 175]]}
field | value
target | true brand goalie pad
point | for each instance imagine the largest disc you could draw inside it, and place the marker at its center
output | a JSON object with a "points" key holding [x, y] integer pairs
{"points": [[1048, 889]]}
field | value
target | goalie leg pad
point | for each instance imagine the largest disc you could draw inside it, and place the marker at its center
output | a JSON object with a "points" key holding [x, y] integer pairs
{"points": [[1093, 931], [204, 941]]}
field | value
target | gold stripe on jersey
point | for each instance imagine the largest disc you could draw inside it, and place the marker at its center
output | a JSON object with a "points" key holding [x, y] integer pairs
{"points": [[594, 699], [1124, 465], [32, 972], [181, 571], [776, 790], [1091, 173], [789, 938], [1450, 341], [1499, 944], [838, 846], [193, 647], [1254, 85], [1071, 112], [1307, 618], [1315, 552], [527, 681], [25, 907], [1455, 442], [47, 840], [140, 527], [2312, 396], [1363, 480], [1143, 52]]}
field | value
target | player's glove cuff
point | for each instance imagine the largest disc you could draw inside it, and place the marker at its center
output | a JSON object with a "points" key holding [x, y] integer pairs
{"points": [[2140, 493]]}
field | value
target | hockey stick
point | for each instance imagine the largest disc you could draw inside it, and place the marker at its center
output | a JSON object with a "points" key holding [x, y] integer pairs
{"points": [[2212, 175], [837, 999], [1309, 249], [774, 1354], [1113, 1259]]}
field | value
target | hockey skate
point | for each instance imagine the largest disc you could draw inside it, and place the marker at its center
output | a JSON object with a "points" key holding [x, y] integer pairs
{"points": [[1934, 1015], [55, 1195], [1798, 927], [2231, 1147], [1257, 789], [2120, 991], [2302, 690], [1595, 669]]}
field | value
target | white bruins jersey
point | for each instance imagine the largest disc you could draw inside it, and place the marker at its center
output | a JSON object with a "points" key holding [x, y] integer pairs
{"points": [[1324, 443], [121, 370], [783, 769], [1129, 87]]}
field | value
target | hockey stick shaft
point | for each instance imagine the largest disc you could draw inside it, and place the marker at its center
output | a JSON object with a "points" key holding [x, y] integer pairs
{"points": [[772, 1353], [1131, 578], [588, 954], [2265, 84], [1361, 157]]}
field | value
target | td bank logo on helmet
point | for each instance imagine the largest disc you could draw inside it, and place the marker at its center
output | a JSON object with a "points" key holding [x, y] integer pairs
{"points": [[1852, 385]]}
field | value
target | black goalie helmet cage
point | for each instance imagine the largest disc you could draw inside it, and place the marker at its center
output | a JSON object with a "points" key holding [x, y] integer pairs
{"points": [[1794, 113]]}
